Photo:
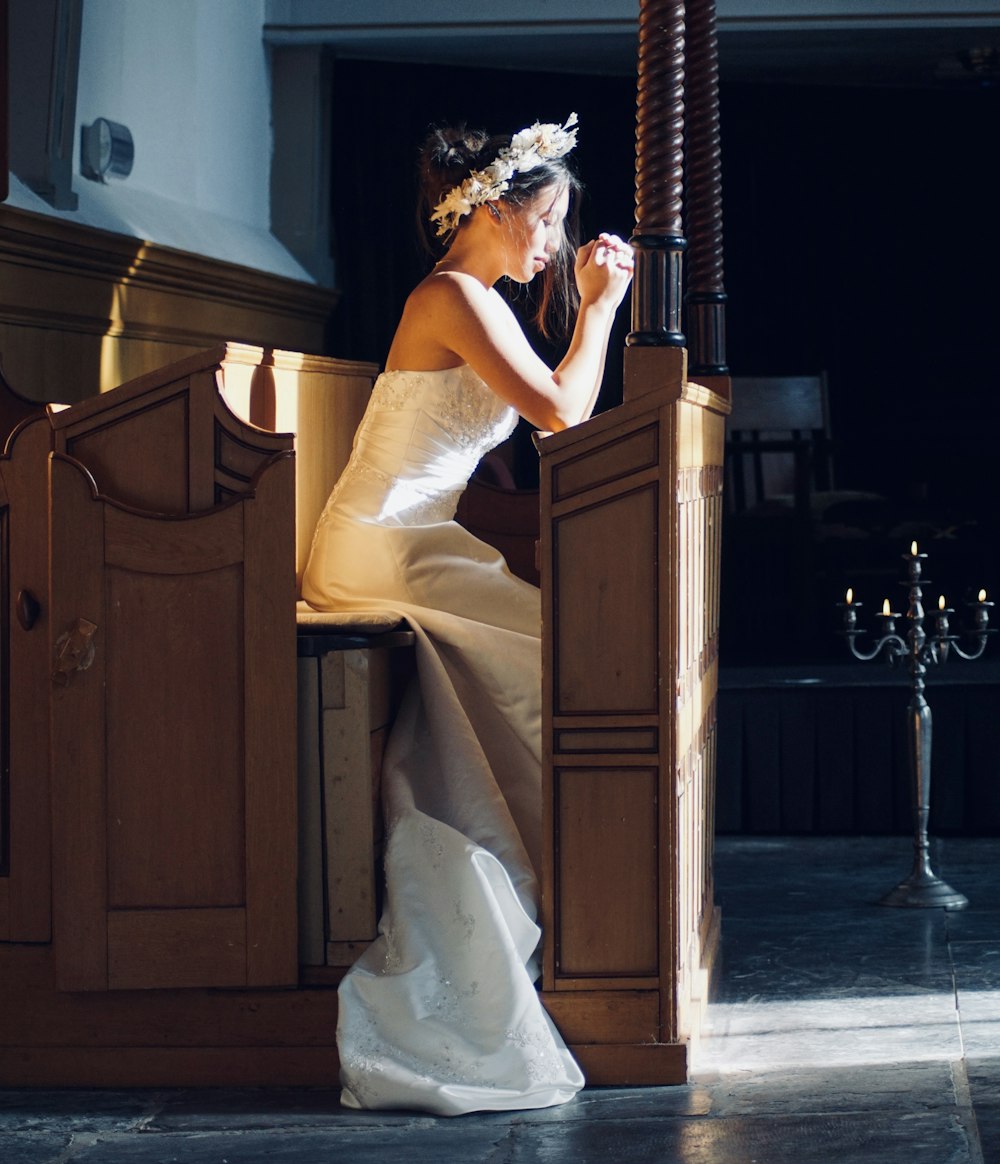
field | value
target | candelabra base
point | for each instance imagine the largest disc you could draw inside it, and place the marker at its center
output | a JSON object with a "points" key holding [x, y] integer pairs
{"points": [[924, 890]]}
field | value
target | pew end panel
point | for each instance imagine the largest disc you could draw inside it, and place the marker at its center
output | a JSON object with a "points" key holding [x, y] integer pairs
{"points": [[631, 510]]}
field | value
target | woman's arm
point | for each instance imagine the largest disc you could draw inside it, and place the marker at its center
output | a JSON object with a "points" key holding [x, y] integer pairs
{"points": [[599, 378], [454, 313], [617, 256]]}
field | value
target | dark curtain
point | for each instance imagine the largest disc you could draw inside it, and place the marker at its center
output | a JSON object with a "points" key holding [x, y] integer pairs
{"points": [[862, 238]]}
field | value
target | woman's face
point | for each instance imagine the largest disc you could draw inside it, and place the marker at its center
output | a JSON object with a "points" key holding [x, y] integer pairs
{"points": [[536, 232]]}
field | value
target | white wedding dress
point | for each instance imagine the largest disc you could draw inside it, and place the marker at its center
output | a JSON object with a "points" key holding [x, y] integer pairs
{"points": [[441, 1013]]}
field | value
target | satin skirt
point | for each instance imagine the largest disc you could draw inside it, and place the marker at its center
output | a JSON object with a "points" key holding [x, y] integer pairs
{"points": [[441, 1014]]}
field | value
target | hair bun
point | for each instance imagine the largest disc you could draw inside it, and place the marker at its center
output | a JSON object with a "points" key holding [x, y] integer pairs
{"points": [[450, 147]]}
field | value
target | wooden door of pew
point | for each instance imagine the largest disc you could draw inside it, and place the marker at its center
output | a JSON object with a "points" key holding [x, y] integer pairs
{"points": [[631, 509], [163, 444], [173, 800]]}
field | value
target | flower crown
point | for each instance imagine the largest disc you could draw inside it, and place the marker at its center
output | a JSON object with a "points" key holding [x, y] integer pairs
{"points": [[528, 148]]}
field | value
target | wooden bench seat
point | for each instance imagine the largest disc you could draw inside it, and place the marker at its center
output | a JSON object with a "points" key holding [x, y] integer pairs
{"points": [[352, 670]]}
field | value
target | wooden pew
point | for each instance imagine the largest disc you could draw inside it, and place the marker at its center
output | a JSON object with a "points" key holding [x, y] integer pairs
{"points": [[631, 922], [179, 591]]}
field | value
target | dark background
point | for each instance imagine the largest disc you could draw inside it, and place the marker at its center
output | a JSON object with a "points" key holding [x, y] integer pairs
{"points": [[860, 239]]}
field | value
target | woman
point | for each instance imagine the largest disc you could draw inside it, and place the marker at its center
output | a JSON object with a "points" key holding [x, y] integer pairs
{"points": [[440, 1013]]}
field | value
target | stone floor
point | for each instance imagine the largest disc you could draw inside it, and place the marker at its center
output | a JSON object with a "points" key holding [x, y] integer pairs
{"points": [[841, 1031]]}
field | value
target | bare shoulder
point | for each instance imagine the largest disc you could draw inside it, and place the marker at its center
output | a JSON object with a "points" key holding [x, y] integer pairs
{"points": [[453, 291], [439, 313], [451, 318]]}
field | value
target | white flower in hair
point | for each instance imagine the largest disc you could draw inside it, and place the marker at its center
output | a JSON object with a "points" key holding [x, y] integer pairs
{"points": [[528, 148]]}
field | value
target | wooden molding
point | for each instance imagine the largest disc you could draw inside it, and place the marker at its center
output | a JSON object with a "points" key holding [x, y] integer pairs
{"points": [[82, 309], [54, 244]]}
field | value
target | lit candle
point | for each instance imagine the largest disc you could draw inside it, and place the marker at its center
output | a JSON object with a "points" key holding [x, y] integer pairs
{"points": [[850, 608], [912, 560], [982, 612], [888, 617]]}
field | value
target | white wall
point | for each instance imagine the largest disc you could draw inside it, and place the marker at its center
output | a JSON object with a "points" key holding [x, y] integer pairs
{"points": [[190, 80]]}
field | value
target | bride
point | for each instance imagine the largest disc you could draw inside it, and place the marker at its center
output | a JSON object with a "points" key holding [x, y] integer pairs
{"points": [[441, 1013]]}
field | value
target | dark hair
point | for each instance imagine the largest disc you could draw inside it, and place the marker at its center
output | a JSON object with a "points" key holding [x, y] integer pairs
{"points": [[449, 155]]}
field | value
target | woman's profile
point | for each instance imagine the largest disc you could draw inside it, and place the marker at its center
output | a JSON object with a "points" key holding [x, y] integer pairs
{"points": [[441, 1013]]}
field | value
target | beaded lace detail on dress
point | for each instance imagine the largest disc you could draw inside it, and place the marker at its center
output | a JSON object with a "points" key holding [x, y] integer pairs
{"points": [[469, 410], [453, 406]]}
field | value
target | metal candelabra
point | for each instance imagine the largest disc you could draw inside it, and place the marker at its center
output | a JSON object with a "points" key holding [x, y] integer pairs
{"points": [[919, 649]]}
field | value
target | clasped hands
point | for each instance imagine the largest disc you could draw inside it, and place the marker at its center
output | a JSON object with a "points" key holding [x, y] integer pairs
{"points": [[604, 266], [610, 249]]}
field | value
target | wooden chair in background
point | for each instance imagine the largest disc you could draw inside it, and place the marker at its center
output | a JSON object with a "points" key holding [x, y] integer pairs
{"points": [[778, 446], [778, 469]]}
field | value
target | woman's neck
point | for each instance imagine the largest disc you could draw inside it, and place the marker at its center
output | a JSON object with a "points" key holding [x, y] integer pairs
{"points": [[475, 252]]}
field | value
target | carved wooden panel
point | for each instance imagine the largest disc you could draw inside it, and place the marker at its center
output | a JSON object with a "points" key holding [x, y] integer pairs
{"points": [[604, 662], [606, 874], [173, 795], [167, 442], [630, 556], [698, 509], [593, 467], [168, 627]]}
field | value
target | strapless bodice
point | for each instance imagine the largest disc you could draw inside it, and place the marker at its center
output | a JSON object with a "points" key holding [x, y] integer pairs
{"points": [[420, 439]]}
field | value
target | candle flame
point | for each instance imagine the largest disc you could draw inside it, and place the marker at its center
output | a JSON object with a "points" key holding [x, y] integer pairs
{"points": [[850, 595], [982, 595], [941, 603], [886, 609], [913, 548]]}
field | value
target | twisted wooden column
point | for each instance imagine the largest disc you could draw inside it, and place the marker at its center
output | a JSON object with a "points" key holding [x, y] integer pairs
{"points": [[706, 297], [658, 239]]}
